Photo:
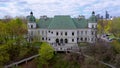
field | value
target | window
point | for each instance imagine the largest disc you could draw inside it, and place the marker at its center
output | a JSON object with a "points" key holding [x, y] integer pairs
{"points": [[49, 31], [81, 39], [72, 33], [91, 39], [85, 39], [92, 32], [61, 33], [92, 26], [31, 26], [66, 33], [56, 33], [77, 39], [72, 40], [42, 38], [86, 32], [49, 39], [66, 40], [81, 32]]}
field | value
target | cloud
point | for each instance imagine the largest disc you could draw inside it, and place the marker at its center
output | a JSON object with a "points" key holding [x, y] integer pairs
{"points": [[57, 7]]}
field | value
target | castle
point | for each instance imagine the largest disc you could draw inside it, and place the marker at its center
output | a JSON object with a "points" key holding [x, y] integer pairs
{"points": [[63, 32]]}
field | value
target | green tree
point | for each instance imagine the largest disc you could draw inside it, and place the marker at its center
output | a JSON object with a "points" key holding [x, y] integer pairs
{"points": [[115, 27], [104, 26], [46, 53], [4, 56]]}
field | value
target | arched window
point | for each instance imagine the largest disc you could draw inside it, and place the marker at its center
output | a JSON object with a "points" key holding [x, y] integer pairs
{"points": [[61, 40], [31, 26], [72, 40], [42, 38], [57, 40], [81, 39], [85, 39], [66, 41]]}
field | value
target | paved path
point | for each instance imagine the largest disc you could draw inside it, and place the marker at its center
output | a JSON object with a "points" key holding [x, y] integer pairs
{"points": [[21, 61]]}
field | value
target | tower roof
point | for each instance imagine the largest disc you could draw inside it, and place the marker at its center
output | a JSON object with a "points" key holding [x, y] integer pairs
{"points": [[93, 18], [31, 18], [31, 13]]}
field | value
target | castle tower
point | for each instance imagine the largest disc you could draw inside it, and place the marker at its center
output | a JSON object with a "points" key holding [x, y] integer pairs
{"points": [[31, 21]]}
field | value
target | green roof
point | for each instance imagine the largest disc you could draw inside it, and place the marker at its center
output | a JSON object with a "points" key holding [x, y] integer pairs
{"points": [[31, 18], [44, 23], [62, 22], [80, 23], [65, 22], [93, 19]]}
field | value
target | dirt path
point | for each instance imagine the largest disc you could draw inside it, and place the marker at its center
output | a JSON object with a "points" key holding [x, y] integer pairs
{"points": [[30, 64]]}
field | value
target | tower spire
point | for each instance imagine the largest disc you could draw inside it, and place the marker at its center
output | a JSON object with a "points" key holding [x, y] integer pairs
{"points": [[31, 13], [93, 13]]}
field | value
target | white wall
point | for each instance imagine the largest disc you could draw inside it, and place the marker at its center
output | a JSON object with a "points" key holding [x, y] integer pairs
{"points": [[92, 25], [31, 24], [69, 36]]}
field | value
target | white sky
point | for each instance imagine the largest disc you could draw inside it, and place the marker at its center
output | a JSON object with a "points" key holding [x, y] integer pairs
{"points": [[58, 7]]}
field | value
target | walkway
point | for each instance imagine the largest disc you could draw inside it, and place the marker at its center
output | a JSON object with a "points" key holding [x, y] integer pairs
{"points": [[20, 62]]}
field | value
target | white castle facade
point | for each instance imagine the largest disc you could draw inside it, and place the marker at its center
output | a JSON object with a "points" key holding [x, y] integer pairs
{"points": [[63, 32]]}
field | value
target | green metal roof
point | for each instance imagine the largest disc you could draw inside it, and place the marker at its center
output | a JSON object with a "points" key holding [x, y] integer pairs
{"points": [[93, 19], [31, 19], [62, 22], [44, 23], [80, 23], [65, 22]]}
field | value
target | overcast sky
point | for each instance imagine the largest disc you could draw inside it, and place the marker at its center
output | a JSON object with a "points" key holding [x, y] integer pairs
{"points": [[58, 7]]}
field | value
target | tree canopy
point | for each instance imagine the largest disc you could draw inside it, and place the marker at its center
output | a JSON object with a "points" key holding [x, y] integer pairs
{"points": [[46, 53]]}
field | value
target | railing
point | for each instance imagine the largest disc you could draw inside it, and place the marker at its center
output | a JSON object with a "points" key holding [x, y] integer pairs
{"points": [[19, 62]]}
